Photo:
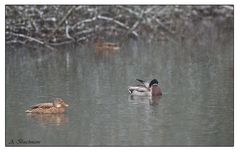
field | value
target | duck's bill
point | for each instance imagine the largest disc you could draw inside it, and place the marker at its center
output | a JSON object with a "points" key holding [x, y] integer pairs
{"points": [[66, 105]]}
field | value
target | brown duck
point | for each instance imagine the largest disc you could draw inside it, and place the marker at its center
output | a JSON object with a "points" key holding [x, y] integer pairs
{"points": [[101, 45], [58, 106]]}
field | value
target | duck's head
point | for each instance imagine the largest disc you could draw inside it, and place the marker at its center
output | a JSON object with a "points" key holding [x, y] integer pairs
{"points": [[153, 82], [59, 103], [154, 88]]}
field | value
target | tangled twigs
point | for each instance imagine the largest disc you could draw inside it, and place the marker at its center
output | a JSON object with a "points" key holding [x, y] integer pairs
{"points": [[30, 39], [52, 25]]}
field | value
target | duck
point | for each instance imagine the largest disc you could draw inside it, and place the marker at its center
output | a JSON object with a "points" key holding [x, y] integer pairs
{"points": [[101, 45], [146, 88], [57, 106]]}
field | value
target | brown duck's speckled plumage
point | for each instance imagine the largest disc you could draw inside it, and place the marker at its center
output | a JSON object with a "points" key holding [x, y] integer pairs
{"points": [[58, 106]]}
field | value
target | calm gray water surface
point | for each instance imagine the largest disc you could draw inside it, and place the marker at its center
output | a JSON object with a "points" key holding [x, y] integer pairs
{"points": [[196, 76]]}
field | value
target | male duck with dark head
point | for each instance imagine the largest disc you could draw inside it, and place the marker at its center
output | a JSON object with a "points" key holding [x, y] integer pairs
{"points": [[146, 88], [58, 106]]}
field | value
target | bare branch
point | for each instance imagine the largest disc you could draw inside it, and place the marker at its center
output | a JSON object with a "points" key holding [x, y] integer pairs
{"points": [[118, 23], [31, 39], [84, 21], [63, 19], [129, 10]]}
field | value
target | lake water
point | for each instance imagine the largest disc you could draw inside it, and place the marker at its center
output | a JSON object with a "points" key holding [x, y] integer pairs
{"points": [[195, 74]]}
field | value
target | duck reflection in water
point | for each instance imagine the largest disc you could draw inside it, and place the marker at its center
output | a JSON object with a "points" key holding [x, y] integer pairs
{"points": [[56, 119], [148, 100]]}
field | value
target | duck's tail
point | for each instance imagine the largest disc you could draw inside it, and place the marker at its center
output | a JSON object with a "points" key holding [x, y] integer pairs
{"points": [[144, 83], [130, 90], [140, 81], [28, 111]]}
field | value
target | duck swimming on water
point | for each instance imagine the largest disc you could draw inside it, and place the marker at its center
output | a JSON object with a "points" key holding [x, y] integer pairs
{"points": [[58, 106], [146, 88]]}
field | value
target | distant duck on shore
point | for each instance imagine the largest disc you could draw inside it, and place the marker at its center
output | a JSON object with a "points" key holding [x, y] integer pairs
{"points": [[102, 45]]}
